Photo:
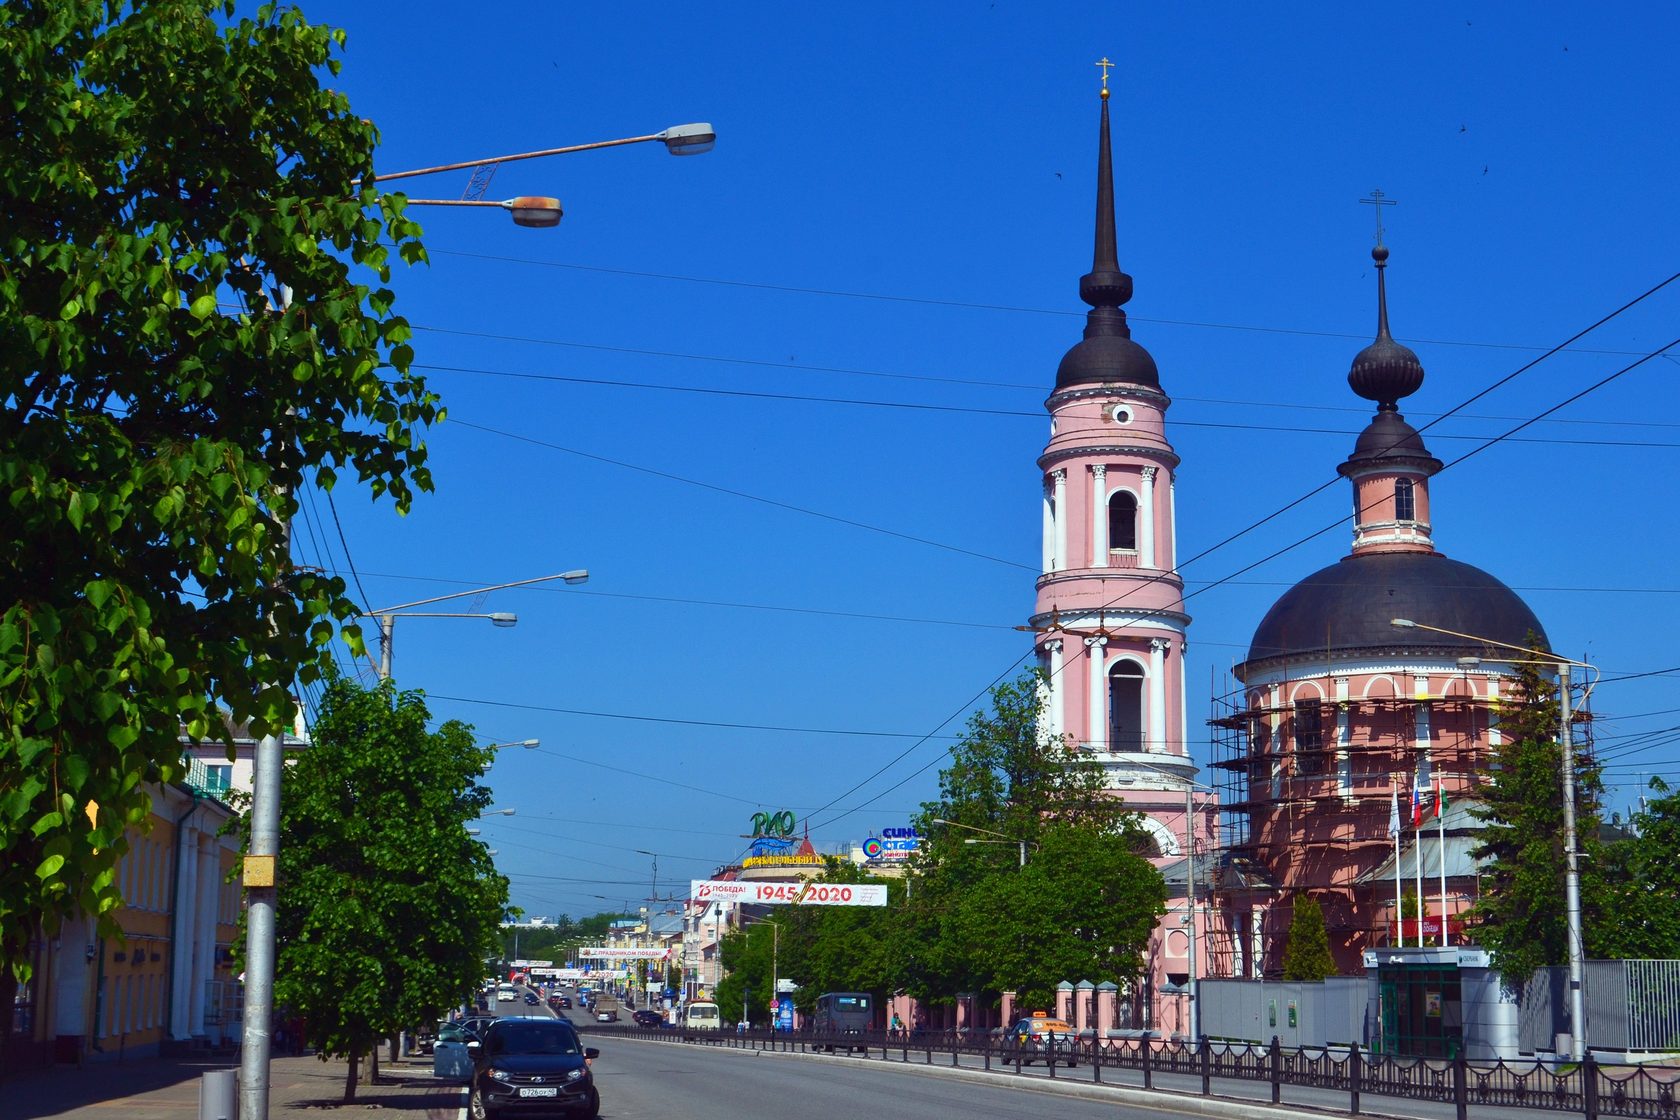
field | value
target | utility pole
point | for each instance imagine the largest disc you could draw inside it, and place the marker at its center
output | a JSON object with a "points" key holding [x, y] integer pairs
{"points": [[259, 875], [1572, 875], [1190, 902]]}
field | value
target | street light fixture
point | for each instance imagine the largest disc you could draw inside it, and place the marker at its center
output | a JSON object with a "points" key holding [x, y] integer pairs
{"points": [[387, 616], [679, 140], [1022, 844], [497, 812], [1572, 872], [527, 744]]}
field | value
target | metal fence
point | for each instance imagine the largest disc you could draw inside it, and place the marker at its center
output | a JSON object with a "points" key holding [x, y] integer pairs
{"points": [[1591, 1089]]}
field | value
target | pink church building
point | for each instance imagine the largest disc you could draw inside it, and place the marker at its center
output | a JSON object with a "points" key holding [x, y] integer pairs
{"points": [[1110, 614], [1340, 712]]}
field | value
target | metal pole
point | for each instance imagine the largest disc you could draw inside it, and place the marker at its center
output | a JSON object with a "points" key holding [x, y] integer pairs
{"points": [[1190, 898], [387, 627], [1023, 845], [1572, 877], [259, 873]]}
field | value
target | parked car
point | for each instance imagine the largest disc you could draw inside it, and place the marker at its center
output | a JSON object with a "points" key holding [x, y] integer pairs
{"points": [[647, 1017], [1042, 1036], [530, 1066]]}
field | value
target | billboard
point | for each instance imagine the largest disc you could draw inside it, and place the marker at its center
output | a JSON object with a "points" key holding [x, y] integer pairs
{"points": [[604, 953], [779, 894]]}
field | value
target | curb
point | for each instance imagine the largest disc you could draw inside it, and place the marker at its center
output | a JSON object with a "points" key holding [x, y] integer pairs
{"points": [[1158, 1100]]}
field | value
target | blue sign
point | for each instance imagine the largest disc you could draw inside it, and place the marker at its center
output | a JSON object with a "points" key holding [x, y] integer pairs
{"points": [[784, 1014]]}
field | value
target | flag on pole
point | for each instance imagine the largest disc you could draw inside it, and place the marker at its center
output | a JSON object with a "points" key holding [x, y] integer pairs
{"points": [[1393, 812], [1417, 803], [1440, 798]]}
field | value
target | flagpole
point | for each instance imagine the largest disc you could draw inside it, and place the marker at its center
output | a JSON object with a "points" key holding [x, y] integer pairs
{"points": [[1394, 831], [1417, 856], [1441, 827]]}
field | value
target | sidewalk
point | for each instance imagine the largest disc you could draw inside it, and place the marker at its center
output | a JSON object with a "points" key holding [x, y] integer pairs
{"points": [[156, 1088]]}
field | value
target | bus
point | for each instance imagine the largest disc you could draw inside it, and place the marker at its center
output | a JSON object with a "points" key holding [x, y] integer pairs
{"points": [[844, 1013]]}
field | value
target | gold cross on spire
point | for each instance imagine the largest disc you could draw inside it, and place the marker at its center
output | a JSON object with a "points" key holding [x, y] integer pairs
{"points": [[1105, 65]]}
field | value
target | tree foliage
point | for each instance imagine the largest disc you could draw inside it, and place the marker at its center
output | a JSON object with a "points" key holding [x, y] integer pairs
{"points": [[162, 163], [1306, 956], [1082, 908], [1521, 917], [388, 908]]}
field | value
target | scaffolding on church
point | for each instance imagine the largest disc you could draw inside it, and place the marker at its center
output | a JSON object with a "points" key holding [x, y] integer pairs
{"points": [[1305, 787]]}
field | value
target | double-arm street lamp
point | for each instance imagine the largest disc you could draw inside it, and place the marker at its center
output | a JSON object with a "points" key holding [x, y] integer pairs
{"points": [[1005, 839], [775, 969], [541, 211], [1572, 873], [387, 616]]}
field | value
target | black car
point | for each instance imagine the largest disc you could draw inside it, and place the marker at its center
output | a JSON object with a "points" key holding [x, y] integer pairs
{"points": [[531, 998], [647, 1017], [532, 1067]]}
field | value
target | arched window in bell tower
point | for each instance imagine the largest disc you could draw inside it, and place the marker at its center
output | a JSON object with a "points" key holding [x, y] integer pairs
{"points": [[1405, 503], [1122, 521], [1125, 706]]}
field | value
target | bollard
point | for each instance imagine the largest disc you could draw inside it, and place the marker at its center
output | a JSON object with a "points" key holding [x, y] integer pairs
{"points": [[1096, 1059], [1146, 1052], [1207, 1063], [1277, 1070], [218, 1095], [1461, 1088], [1354, 1063], [1589, 1086]]}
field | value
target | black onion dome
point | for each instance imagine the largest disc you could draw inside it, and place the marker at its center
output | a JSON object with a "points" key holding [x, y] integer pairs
{"points": [[1384, 371], [1389, 441], [1344, 611], [1107, 354]]}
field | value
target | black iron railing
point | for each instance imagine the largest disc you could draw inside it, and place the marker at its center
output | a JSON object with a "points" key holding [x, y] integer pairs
{"points": [[1321, 1075]]}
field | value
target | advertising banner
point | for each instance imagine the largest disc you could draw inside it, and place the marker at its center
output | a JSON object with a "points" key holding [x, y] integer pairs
{"points": [[780, 894], [603, 953]]}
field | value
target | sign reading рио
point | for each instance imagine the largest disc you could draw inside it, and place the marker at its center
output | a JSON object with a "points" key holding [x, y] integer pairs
{"points": [[773, 824]]}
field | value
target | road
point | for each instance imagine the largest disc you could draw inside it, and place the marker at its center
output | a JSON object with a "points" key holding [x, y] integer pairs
{"points": [[656, 1081]]}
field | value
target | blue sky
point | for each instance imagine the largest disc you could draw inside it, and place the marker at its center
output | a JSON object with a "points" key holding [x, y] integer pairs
{"points": [[891, 230]]}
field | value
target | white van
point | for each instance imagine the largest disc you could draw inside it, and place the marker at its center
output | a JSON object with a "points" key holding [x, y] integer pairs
{"points": [[701, 1017]]}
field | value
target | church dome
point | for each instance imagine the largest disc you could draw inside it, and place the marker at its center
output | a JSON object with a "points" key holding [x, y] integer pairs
{"points": [[1343, 612], [1107, 359]]}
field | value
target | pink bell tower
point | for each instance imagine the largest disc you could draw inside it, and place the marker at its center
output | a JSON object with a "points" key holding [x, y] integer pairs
{"points": [[1110, 611]]}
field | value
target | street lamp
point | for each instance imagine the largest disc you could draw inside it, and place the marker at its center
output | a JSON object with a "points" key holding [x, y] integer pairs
{"points": [[775, 969], [497, 812], [387, 616], [1572, 873], [541, 211], [527, 744], [1022, 844]]}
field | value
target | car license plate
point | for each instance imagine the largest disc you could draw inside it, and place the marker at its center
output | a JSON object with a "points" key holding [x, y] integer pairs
{"points": [[542, 1092]]}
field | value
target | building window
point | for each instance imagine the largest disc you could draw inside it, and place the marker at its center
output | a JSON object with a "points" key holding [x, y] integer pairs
{"points": [[1405, 502], [1309, 737], [218, 779], [1122, 521], [1125, 706]]}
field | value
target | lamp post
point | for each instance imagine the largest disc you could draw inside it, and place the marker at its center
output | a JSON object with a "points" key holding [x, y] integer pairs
{"points": [[542, 211], [387, 616], [1022, 844], [1193, 1018], [775, 968], [1572, 873], [527, 744]]}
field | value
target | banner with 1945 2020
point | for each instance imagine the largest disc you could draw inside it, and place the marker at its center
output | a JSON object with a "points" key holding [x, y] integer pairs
{"points": [[785, 894]]}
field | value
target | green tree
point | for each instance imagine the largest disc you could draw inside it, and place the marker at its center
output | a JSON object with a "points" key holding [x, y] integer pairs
{"points": [[389, 907], [1521, 916], [163, 163], [1306, 956], [1083, 906], [1643, 874]]}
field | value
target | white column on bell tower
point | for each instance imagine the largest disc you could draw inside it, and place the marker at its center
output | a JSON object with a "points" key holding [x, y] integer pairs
{"points": [[1098, 726], [1060, 477], [1099, 516], [1146, 520], [1049, 530], [1058, 690], [1157, 693]]}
